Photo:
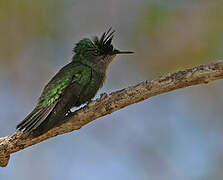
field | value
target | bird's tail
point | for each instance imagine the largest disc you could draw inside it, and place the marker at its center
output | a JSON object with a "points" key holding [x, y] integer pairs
{"points": [[35, 119]]}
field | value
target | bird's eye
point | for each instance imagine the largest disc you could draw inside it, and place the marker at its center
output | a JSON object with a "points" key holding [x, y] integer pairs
{"points": [[96, 52]]}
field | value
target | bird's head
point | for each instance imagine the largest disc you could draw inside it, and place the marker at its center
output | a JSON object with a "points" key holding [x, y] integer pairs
{"points": [[97, 49]]}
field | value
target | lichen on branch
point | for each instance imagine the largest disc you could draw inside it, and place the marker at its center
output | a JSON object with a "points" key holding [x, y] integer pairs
{"points": [[107, 104]]}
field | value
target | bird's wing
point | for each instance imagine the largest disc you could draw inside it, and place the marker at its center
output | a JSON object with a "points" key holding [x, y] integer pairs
{"points": [[52, 93]]}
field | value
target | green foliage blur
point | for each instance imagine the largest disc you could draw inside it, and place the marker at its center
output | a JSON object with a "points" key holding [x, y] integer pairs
{"points": [[179, 35], [21, 21]]}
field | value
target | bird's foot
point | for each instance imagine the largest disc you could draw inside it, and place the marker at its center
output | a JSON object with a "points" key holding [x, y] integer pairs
{"points": [[88, 102], [69, 112]]}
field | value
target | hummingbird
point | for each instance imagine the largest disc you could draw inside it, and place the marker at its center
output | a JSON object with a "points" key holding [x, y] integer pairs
{"points": [[75, 84]]}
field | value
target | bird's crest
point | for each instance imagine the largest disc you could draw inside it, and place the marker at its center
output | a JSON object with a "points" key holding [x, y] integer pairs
{"points": [[102, 45]]}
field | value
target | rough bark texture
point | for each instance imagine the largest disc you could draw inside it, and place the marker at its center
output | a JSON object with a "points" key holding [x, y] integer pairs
{"points": [[107, 104]]}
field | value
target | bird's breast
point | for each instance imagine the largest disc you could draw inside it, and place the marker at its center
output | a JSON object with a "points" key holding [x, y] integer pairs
{"points": [[90, 89]]}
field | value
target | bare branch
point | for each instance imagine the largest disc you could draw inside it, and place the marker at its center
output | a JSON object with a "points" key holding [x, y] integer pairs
{"points": [[107, 104]]}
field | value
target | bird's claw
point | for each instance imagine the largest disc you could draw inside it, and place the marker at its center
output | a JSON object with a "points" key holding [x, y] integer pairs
{"points": [[88, 102], [69, 112]]}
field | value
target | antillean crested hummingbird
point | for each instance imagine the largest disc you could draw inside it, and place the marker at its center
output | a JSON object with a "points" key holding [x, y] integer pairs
{"points": [[75, 84]]}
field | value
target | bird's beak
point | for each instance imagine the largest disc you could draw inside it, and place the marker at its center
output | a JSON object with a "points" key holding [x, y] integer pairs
{"points": [[122, 52]]}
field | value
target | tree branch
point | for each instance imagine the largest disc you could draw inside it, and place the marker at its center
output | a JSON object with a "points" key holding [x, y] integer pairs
{"points": [[107, 104]]}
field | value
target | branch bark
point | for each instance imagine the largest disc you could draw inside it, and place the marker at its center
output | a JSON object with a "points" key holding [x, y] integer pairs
{"points": [[107, 104]]}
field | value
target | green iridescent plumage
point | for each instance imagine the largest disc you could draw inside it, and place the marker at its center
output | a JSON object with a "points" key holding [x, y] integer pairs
{"points": [[72, 73], [75, 84]]}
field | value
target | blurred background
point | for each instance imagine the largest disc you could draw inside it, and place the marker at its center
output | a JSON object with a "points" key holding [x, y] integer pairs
{"points": [[173, 136]]}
